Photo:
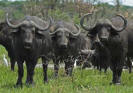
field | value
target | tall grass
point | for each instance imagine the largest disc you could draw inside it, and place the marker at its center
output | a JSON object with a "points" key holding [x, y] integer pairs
{"points": [[3, 52], [91, 81]]}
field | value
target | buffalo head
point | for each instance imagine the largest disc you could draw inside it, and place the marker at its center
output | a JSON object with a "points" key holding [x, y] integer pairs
{"points": [[103, 29], [27, 30], [62, 33]]}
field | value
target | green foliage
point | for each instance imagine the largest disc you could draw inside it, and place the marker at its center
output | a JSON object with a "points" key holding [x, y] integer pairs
{"points": [[58, 15], [82, 81], [76, 19], [58, 9], [2, 52], [18, 14], [2, 14]]}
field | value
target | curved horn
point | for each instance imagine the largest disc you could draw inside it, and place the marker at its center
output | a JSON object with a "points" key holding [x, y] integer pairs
{"points": [[25, 22], [52, 33], [82, 22], [41, 28], [11, 25], [124, 25], [77, 32], [62, 30]]}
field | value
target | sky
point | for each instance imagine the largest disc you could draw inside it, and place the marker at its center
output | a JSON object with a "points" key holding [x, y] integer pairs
{"points": [[124, 2]]}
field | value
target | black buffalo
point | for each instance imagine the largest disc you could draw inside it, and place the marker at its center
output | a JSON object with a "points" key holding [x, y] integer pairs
{"points": [[110, 38], [67, 43], [129, 30], [129, 36], [6, 40], [31, 40]]}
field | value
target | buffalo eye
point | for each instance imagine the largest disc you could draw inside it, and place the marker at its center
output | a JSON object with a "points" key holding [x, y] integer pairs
{"points": [[59, 34], [33, 30], [72, 38], [67, 35], [109, 28], [53, 38], [15, 32], [90, 36], [22, 28], [39, 34]]}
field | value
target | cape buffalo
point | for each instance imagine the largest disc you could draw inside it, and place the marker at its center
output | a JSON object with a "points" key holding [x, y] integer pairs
{"points": [[31, 41], [112, 39], [6, 40], [129, 30], [67, 42]]}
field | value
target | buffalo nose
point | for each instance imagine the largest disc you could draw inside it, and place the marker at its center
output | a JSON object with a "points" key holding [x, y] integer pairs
{"points": [[27, 44], [63, 46], [97, 43], [103, 39]]}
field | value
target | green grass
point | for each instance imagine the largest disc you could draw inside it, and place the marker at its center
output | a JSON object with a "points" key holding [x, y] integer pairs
{"points": [[85, 81], [82, 81], [2, 52]]}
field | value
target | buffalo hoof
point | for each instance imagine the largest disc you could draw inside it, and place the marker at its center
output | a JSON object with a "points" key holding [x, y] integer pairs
{"points": [[69, 75], [12, 70], [55, 75], [130, 71], [30, 84], [113, 83], [18, 85], [118, 83], [46, 82]]}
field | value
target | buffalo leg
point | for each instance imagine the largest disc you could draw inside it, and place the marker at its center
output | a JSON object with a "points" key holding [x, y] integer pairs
{"points": [[30, 71], [45, 66], [12, 63], [20, 73], [129, 64], [105, 69], [117, 76], [56, 67], [69, 67], [66, 67], [119, 72], [85, 65], [114, 76]]}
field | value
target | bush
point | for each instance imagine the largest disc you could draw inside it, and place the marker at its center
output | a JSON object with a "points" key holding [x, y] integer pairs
{"points": [[3, 52], [58, 15], [17, 14], [2, 14], [76, 19]]}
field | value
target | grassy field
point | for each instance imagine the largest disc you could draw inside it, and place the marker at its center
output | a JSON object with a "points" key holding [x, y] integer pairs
{"points": [[85, 81], [82, 81], [3, 52]]}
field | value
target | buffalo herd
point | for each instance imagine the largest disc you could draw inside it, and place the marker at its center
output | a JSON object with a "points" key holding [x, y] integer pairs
{"points": [[105, 44]]}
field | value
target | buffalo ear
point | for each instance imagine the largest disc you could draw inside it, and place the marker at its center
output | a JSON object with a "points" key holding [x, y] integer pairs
{"points": [[53, 37], [93, 31], [14, 32], [39, 34], [72, 37], [113, 32]]}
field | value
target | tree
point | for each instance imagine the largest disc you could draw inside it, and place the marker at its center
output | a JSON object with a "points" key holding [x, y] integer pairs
{"points": [[118, 3]]}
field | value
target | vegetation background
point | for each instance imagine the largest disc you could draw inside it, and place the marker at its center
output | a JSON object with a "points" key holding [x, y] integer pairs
{"points": [[82, 81]]}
